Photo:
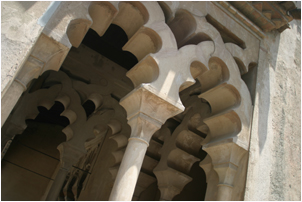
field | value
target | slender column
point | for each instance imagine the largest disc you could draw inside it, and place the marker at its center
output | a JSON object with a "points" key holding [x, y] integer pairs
{"points": [[126, 179], [224, 192], [142, 130], [68, 157], [146, 114], [56, 187]]}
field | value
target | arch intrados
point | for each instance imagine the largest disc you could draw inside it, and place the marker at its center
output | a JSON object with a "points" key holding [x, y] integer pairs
{"points": [[183, 14], [167, 11], [197, 68], [139, 6], [198, 38], [241, 66], [215, 63], [102, 13], [222, 98], [76, 31], [146, 71], [183, 26], [156, 39]]}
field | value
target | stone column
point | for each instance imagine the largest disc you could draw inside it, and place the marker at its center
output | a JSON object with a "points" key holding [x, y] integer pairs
{"points": [[146, 114], [126, 179], [57, 184], [69, 155]]}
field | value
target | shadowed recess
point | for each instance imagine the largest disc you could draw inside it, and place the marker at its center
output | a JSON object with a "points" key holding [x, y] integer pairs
{"points": [[89, 107], [53, 115], [196, 189], [110, 45]]}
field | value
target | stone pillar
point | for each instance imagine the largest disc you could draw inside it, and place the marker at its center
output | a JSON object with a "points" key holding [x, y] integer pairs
{"points": [[146, 114]]}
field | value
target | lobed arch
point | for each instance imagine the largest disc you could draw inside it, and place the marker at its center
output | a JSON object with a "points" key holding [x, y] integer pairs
{"points": [[161, 43], [83, 129], [183, 26], [246, 55], [235, 114], [230, 76]]}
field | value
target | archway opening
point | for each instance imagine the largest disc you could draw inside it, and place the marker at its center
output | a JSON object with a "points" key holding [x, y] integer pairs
{"points": [[30, 164]]}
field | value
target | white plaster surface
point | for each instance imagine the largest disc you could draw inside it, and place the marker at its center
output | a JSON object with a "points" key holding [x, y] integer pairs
{"points": [[274, 167], [19, 32]]}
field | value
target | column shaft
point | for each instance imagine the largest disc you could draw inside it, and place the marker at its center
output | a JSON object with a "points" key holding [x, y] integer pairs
{"points": [[57, 184], [126, 178], [224, 192]]}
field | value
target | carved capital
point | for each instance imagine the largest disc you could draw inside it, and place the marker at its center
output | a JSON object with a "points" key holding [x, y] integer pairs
{"points": [[31, 70], [171, 182], [69, 155], [147, 112], [226, 156]]}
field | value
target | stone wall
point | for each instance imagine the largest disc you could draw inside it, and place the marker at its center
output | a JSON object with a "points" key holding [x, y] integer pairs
{"points": [[19, 31], [274, 170]]}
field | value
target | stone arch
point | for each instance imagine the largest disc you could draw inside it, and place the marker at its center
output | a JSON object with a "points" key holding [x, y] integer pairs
{"points": [[227, 80], [82, 131], [150, 71]]}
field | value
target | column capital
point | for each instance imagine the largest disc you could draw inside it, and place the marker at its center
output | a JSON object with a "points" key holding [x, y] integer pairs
{"points": [[226, 156], [69, 155], [146, 100], [147, 111]]}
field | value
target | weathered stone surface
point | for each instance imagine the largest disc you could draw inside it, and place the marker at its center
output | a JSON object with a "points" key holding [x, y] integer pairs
{"points": [[274, 169], [19, 32], [168, 40]]}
